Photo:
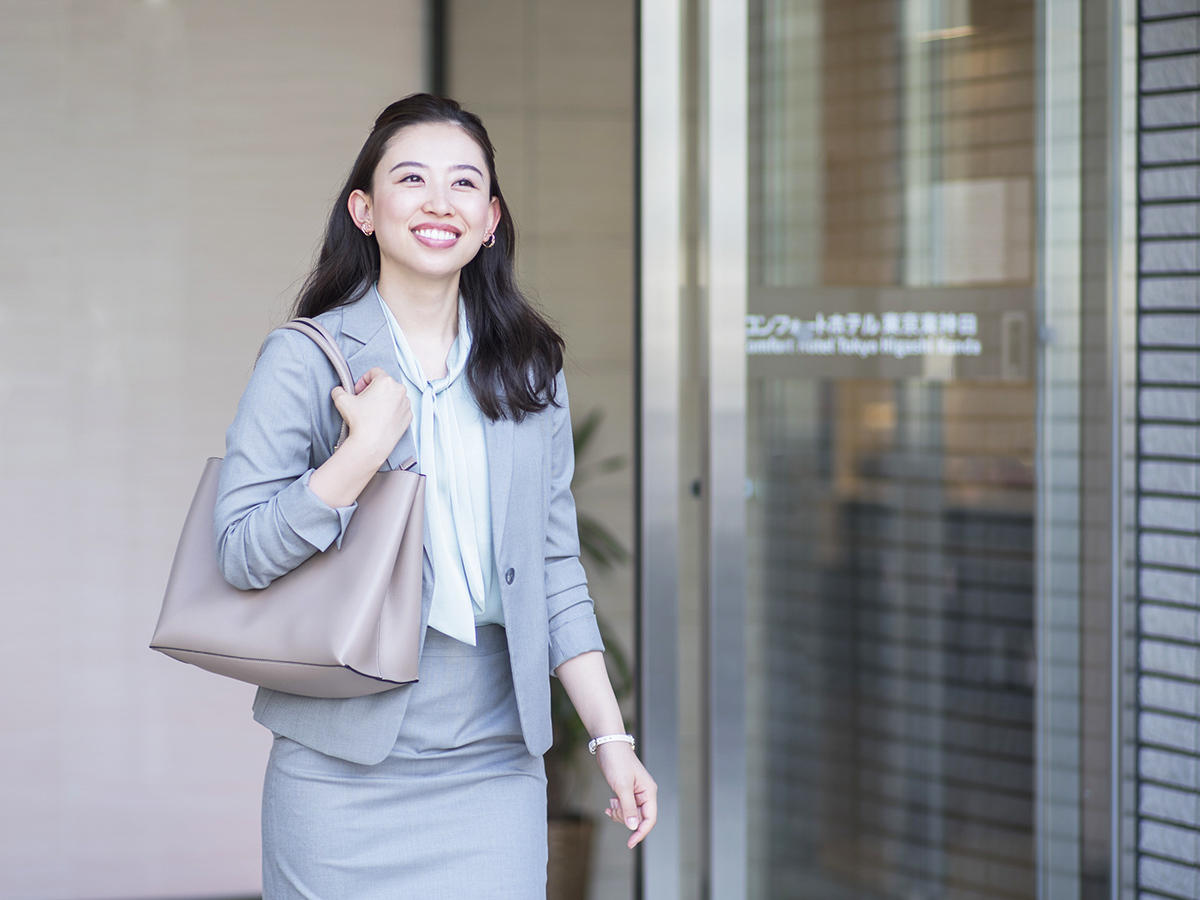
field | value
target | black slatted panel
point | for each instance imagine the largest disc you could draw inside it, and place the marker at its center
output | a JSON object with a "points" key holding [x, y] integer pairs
{"points": [[1169, 450], [898, 569]]}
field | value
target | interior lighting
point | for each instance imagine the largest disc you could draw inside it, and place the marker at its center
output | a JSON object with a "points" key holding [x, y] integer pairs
{"points": [[946, 34]]}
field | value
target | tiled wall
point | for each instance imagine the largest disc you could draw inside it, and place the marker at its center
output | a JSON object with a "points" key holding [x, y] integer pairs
{"points": [[165, 170], [1169, 461], [553, 81]]}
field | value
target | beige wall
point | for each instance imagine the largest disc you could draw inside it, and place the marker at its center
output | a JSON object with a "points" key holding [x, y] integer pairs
{"points": [[553, 82], [165, 168]]}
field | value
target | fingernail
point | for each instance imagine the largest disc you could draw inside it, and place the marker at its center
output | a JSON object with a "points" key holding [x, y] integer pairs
{"points": [[632, 823]]}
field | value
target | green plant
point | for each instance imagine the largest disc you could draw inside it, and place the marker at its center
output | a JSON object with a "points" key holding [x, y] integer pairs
{"points": [[598, 546], [599, 549]]}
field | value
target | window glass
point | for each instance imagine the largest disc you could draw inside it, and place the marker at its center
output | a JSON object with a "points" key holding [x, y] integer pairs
{"points": [[891, 417]]}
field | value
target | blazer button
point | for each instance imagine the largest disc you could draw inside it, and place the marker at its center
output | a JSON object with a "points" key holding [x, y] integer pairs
{"points": [[509, 576]]}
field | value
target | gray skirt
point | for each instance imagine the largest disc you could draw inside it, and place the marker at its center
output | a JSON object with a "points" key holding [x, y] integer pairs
{"points": [[457, 810]]}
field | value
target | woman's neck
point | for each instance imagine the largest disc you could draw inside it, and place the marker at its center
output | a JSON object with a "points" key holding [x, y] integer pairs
{"points": [[427, 313]]}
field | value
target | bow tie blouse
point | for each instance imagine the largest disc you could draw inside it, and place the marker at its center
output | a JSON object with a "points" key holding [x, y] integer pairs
{"points": [[452, 455]]}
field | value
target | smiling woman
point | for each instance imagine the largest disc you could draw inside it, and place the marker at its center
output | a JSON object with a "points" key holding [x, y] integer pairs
{"points": [[515, 350], [436, 787]]}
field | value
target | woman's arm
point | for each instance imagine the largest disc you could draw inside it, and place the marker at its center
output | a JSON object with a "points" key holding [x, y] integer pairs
{"points": [[268, 518], [569, 609], [636, 801], [575, 644]]}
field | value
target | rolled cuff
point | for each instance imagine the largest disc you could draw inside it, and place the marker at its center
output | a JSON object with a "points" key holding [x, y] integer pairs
{"points": [[310, 517], [564, 574], [570, 639]]}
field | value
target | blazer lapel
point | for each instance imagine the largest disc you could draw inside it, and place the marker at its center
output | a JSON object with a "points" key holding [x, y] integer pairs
{"points": [[363, 322], [499, 435]]}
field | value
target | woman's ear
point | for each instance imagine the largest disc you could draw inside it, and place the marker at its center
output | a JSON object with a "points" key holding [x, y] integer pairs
{"points": [[359, 205], [493, 215]]}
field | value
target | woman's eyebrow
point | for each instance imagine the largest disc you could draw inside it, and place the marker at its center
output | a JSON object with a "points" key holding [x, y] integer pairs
{"points": [[419, 165]]}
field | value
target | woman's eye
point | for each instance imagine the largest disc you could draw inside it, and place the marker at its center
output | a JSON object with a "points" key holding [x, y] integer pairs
{"points": [[411, 177], [466, 181]]}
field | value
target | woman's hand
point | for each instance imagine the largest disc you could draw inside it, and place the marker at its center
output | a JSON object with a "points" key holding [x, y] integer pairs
{"points": [[377, 415], [636, 803]]}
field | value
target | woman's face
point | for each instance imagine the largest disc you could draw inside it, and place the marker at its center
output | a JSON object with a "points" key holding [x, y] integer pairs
{"points": [[430, 205]]}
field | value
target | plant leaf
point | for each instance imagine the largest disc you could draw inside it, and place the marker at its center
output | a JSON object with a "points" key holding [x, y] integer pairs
{"points": [[598, 545], [582, 436]]}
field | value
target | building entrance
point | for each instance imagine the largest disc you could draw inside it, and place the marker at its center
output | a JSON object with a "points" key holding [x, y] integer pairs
{"points": [[862, 399], [890, 414]]}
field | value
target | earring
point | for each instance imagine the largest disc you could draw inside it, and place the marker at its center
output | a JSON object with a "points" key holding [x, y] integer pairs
{"points": [[368, 230], [490, 240]]}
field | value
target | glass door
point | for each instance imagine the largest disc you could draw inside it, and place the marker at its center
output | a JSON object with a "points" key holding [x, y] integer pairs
{"points": [[891, 410], [875, 348]]}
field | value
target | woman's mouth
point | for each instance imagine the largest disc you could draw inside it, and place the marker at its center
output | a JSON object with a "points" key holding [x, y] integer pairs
{"points": [[438, 238]]}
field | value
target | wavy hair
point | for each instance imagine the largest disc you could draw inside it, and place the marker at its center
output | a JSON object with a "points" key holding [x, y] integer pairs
{"points": [[515, 354]]}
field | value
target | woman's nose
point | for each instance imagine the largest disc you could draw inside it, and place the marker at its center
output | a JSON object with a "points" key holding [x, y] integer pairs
{"points": [[438, 202]]}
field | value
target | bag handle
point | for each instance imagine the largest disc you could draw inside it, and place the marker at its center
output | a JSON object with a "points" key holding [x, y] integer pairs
{"points": [[314, 330]]}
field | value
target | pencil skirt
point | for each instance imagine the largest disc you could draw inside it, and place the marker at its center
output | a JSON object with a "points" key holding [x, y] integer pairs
{"points": [[457, 810]]}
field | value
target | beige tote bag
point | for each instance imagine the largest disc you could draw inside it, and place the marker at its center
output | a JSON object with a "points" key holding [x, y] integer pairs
{"points": [[344, 623]]}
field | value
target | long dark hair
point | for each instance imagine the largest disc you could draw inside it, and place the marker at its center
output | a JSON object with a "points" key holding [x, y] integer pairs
{"points": [[515, 353]]}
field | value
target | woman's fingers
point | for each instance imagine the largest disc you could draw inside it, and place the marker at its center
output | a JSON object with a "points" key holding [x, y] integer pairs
{"points": [[339, 397], [649, 810], [644, 802], [370, 375], [637, 837], [636, 802], [627, 806], [380, 405], [395, 394], [648, 816]]}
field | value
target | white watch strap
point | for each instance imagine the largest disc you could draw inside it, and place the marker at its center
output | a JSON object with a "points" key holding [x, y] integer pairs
{"points": [[609, 738]]}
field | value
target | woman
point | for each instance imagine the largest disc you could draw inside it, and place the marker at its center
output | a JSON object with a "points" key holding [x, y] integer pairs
{"points": [[435, 789]]}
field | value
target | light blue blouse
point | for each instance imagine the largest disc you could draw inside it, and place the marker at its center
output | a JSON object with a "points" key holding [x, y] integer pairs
{"points": [[452, 454]]}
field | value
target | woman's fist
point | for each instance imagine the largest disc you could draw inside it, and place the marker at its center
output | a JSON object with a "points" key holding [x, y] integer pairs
{"points": [[377, 414]]}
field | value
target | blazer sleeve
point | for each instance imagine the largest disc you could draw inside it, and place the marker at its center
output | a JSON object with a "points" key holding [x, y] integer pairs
{"points": [[267, 520], [573, 627]]}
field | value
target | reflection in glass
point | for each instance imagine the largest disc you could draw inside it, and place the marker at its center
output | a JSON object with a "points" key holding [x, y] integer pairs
{"points": [[890, 522]]}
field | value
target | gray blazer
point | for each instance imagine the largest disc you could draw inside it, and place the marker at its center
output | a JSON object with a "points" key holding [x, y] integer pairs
{"points": [[268, 521]]}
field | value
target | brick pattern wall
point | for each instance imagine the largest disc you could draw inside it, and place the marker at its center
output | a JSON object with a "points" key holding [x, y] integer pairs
{"points": [[1169, 451]]}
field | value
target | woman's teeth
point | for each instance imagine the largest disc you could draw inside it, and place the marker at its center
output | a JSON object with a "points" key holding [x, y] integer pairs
{"points": [[436, 234]]}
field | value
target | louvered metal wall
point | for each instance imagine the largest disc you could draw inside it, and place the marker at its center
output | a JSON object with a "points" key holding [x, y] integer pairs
{"points": [[1169, 450]]}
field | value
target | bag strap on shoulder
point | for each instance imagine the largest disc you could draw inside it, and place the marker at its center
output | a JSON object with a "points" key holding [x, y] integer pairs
{"points": [[317, 332]]}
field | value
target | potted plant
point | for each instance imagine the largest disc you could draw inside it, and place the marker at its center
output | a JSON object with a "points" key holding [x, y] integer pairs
{"points": [[570, 827]]}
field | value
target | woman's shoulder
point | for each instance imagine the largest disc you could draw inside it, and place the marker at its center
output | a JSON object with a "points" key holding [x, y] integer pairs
{"points": [[286, 350], [332, 319], [290, 356]]}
